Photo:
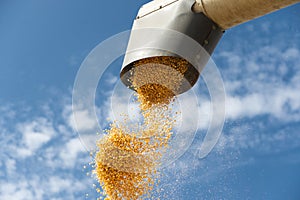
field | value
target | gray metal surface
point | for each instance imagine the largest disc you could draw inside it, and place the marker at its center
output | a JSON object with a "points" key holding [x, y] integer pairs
{"points": [[170, 28]]}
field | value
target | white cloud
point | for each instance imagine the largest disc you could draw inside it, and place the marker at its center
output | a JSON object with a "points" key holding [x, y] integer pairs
{"points": [[70, 152], [262, 82], [86, 126], [247, 137], [34, 134], [291, 53], [248, 106], [10, 165], [194, 114], [35, 187], [59, 184], [16, 190], [80, 119], [41, 159], [7, 111], [281, 102]]}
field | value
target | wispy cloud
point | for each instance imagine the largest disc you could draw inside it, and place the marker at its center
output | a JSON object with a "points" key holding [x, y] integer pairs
{"points": [[69, 153], [39, 187], [262, 82], [84, 120], [41, 158], [34, 135]]}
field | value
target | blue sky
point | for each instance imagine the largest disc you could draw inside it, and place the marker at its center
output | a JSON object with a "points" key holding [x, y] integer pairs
{"points": [[42, 45]]}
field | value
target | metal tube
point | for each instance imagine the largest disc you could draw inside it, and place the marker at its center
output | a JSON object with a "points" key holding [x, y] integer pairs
{"points": [[169, 28], [229, 13]]}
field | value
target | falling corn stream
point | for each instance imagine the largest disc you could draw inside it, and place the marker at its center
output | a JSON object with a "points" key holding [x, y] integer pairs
{"points": [[129, 156]]}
